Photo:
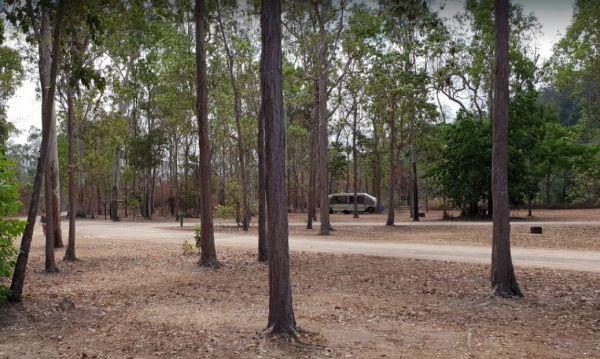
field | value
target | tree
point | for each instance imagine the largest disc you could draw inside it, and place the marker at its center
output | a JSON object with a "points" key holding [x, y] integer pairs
{"points": [[281, 312], [503, 279], [21, 264], [208, 255], [237, 114], [323, 116]]}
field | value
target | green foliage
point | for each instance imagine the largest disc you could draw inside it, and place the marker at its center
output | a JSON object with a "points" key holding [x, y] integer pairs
{"points": [[198, 235], [9, 228], [539, 148], [188, 248], [225, 212], [575, 65], [465, 160]]}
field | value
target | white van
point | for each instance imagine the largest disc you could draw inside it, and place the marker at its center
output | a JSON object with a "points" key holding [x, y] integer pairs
{"points": [[344, 202]]}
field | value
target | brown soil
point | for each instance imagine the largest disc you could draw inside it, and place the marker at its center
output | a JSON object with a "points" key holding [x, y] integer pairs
{"points": [[135, 299]]}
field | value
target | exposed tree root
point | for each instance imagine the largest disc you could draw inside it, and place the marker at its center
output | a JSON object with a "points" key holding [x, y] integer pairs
{"points": [[507, 290], [210, 263]]}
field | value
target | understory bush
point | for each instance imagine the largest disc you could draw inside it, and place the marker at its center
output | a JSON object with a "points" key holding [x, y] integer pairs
{"points": [[9, 228]]}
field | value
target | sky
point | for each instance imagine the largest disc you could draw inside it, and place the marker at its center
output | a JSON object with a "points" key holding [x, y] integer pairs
{"points": [[24, 109]]}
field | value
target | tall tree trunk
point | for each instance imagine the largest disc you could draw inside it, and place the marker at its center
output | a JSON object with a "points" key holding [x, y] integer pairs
{"points": [[392, 180], [355, 157], [314, 162], [281, 312], [70, 252], [18, 279], [53, 168], [377, 169], [503, 278], [51, 185], [239, 139], [415, 186], [208, 255], [49, 124], [263, 249], [323, 123]]}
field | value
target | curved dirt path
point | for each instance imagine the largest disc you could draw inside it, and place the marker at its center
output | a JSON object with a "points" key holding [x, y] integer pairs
{"points": [[579, 260]]}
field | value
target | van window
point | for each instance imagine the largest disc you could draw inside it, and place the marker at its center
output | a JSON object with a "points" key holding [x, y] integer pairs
{"points": [[361, 200], [338, 200]]}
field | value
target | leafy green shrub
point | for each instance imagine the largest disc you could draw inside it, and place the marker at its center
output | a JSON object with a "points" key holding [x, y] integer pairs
{"points": [[225, 212], [9, 228], [188, 248], [198, 235]]}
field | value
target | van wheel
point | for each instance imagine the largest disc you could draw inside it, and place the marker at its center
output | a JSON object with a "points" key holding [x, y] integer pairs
{"points": [[330, 211], [345, 212]]}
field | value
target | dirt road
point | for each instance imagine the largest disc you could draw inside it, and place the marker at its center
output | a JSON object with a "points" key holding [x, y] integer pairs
{"points": [[580, 260]]}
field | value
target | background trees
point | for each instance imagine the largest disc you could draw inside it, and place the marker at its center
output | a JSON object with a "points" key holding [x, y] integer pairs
{"points": [[389, 83]]}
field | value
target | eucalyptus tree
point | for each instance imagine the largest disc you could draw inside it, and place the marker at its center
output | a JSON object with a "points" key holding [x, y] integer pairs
{"points": [[34, 19], [232, 59], [359, 43], [281, 313], [503, 279], [300, 42], [208, 252], [17, 15], [330, 20]]}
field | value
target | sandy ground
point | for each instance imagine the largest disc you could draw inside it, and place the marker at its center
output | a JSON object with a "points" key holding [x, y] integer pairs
{"points": [[570, 248], [136, 295], [145, 299]]}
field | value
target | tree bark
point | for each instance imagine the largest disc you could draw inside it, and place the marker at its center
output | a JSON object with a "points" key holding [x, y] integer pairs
{"points": [[377, 169], [355, 157], [281, 312], [415, 186], [208, 255], [323, 123], [70, 252], [49, 124], [503, 278], [392, 180], [18, 279], [263, 249], [314, 163]]}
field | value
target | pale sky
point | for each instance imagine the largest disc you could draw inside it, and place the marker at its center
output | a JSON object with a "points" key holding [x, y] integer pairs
{"points": [[24, 109]]}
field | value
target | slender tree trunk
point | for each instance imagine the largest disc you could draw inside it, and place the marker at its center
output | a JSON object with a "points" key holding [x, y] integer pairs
{"points": [[49, 122], [237, 114], [18, 278], [377, 170], [51, 185], [529, 211], [281, 312], [53, 168], [503, 278], [314, 163], [355, 157], [392, 179], [208, 255], [176, 179], [415, 187], [323, 123], [263, 249], [70, 252]]}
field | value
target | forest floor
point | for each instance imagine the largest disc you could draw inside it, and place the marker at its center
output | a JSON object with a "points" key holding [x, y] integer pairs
{"points": [[130, 297]]}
